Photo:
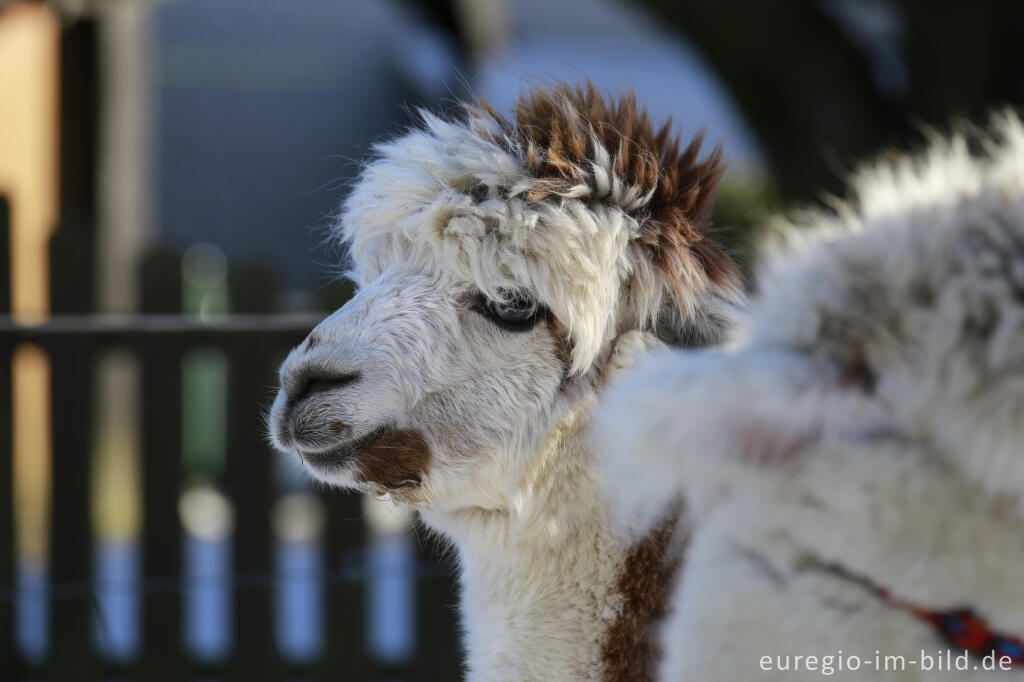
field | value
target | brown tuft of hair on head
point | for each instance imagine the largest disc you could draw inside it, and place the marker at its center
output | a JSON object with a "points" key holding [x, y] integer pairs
{"points": [[555, 131]]}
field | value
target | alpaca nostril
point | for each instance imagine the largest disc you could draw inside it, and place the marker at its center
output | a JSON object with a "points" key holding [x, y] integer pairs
{"points": [[312, 384]]}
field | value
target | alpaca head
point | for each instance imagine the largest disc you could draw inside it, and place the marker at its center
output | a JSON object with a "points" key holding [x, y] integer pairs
{"points": [[497, 260]]}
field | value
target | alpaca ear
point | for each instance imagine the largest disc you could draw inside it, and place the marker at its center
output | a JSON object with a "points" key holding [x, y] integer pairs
{"points": [[628, 348], [710, 328]]}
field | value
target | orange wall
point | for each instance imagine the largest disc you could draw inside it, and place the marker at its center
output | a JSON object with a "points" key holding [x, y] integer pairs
{"points": [[29, 44]]}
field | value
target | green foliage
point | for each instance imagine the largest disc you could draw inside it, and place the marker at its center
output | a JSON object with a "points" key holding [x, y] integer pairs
{"points": [[740, 217]]}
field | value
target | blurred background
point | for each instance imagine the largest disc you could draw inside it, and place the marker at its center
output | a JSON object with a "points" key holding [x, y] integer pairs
{"points": [[167, 172]]}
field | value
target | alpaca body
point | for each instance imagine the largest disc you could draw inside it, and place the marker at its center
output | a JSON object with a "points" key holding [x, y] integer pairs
{"points": [[762, 580], [851, 460], [505, 269]]}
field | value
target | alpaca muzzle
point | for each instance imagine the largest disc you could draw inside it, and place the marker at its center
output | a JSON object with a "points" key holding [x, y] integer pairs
{"points": [[321, 413]]}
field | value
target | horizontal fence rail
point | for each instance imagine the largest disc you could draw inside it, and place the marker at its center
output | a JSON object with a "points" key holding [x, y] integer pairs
{"points": [[113, 327]]}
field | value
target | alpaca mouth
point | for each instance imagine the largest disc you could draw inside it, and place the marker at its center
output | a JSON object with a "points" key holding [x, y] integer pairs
{"points": [[343, 453], [386, 458]]}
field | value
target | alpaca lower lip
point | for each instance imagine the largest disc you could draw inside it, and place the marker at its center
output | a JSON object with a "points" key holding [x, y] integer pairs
{"points": [[342, 453], [337, 455]]}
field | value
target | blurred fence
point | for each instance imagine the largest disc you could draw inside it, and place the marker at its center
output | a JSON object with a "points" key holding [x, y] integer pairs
{"points": [[251, 342]]}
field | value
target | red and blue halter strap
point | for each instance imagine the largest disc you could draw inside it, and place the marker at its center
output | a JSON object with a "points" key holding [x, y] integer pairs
{"points": [[961, 628]]}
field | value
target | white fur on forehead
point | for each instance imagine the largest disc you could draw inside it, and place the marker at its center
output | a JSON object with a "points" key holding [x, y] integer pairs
{"points": [[413, 205], [449, 196]]}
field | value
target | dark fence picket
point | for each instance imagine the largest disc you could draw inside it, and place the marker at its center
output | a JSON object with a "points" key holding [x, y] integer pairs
{"points": [[248, 475], [437, 654], [71, 264], [7, 538], [344, 631], [71, 642], [159, 280]]}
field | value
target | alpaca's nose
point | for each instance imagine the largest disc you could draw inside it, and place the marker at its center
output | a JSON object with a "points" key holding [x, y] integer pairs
{"points": [[312, 382]]}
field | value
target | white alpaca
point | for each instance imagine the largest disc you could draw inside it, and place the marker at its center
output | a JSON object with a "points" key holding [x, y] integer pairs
{"points": [[505, 267], [853, 462]]}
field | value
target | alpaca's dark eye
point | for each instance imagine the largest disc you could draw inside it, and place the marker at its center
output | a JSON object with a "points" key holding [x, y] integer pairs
{"points": [[515, 307], [516, 311]]}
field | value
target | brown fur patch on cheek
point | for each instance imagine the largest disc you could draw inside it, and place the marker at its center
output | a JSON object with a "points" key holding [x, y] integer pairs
{"points": [[630, 650], [395, 460]]}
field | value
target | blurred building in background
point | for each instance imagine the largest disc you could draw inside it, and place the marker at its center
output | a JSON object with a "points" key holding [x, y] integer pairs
{"points": [[264, 110]]}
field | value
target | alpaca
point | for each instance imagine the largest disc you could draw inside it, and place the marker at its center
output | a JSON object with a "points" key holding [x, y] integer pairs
{"points": [[850, 460], [505, 268]]}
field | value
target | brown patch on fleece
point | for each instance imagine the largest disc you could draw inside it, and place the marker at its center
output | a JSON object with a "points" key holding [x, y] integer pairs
{"points": [[394, 460], [555, 132], [630, 649]]}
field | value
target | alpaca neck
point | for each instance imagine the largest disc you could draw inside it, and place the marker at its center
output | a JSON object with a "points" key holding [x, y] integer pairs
{"points": [[539, 576]]}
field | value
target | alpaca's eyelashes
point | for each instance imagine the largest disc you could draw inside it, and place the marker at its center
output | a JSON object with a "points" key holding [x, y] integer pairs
{"points": [[517, 310]]}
